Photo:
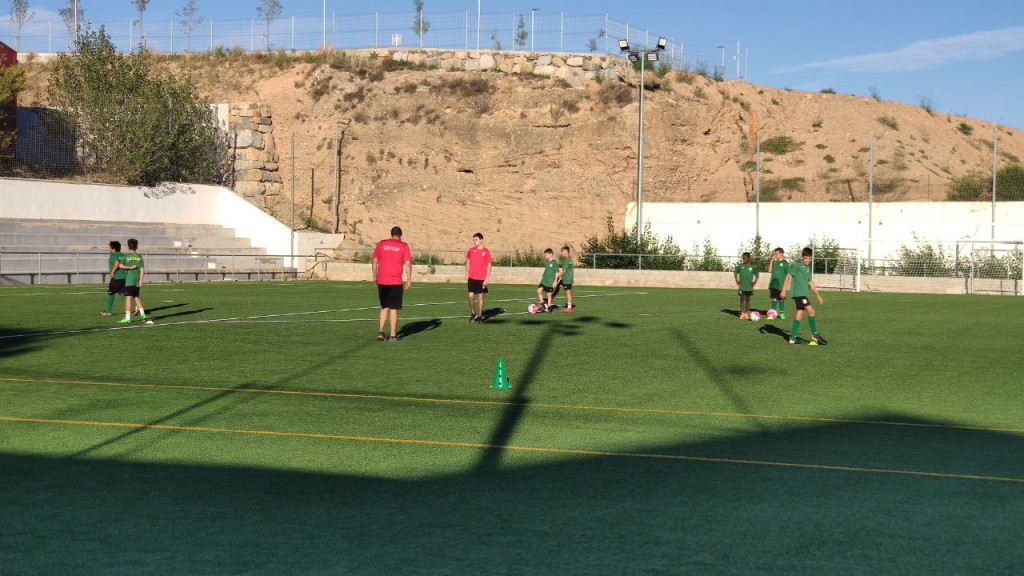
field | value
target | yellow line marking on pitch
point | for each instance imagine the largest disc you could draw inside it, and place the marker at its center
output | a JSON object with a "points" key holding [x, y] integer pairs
{"points": [[539, 449], [385, 397]]}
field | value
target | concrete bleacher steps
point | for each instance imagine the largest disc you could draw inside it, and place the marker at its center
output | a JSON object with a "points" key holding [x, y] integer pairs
{"points": [[68, 251]]}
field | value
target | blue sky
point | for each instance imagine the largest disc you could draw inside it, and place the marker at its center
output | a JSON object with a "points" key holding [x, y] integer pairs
{"points": [[965, 57]]}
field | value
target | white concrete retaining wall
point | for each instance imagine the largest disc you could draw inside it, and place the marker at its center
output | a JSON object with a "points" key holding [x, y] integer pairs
{"points": [[173, 203], [731, 225]]}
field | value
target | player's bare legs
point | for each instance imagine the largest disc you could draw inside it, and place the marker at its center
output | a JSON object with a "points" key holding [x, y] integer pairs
{"points": [[383, 319], [394, 321]]}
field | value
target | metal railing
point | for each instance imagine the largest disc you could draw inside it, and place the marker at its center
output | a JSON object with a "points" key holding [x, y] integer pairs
{"points": [[75, 267]]}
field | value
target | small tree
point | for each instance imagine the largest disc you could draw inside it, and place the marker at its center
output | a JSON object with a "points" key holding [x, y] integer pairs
{"points": [[592, 43], [140, 6], [268, 10], [622, 249], [189, 20], [495, 40], [133, 122], [12, 82], [19, 15], [68, 16], [521, 33], [421, 24]]}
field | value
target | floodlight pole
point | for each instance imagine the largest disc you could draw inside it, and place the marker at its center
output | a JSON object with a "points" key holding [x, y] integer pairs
{"points": [[640, 160]]}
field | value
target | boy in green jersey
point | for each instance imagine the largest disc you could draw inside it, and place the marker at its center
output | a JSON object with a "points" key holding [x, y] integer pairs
{"points": [[799, 281], [778, 267], [117, 274], [547, 281], [564, 278], [746, 276], [136, 273]]}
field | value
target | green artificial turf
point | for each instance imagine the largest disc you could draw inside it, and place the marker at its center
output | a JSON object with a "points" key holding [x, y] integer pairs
{"points": [[261, 428]]}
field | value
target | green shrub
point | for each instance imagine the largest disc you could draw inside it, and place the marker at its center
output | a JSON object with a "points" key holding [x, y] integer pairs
{"points": [[827, 91], [829, 158], [965, 128], [889, 122], [924, 260], [976, 186], [779, 145], [760, 252], [772, 186], [706, 259], [619, 250]]}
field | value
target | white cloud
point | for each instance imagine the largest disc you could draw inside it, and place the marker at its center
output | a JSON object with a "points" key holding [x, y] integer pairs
{"points": [[927, 54]]}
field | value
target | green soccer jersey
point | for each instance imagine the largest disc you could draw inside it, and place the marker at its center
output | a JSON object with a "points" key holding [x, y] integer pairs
{"points": [[550, 271], [566, 264], [779, 270], [133, 259], [800, 285], [117, 257], [747, 273]]}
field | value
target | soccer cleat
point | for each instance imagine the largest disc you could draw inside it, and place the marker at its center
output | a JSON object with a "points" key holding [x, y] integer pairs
{"points": [[380, 336], [148, 321], [472, 318], [105, 313], [820, 340], [395, 339], [125, 321], [744, 317], [479, 317], [567, 309], [782, 316], [813, 342], [791, 341]]}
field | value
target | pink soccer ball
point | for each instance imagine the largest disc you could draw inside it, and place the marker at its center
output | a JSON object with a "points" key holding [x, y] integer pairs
{"points": [[755, 316], [772, 314], [533, 308]]}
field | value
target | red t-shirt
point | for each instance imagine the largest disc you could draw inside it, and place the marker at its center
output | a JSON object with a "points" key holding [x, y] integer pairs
{"points": [[391, 255], [478, 258]]}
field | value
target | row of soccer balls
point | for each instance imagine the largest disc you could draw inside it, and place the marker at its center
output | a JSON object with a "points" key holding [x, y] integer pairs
{"points": [[755, 315]]}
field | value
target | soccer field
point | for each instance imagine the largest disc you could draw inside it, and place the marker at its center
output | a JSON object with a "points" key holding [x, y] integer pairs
{"points": [[261, 428]]}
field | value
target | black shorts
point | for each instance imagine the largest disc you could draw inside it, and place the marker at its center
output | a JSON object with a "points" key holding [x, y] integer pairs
{"points": [[116, 286], [775, 293], [390, 296], [565, 286], [547, 289], [746, 292], [802, 302], [131, 291], [476, 286]]}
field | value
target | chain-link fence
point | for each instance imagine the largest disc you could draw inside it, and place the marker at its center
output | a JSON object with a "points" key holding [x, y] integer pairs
{"points": [[528, 31]]}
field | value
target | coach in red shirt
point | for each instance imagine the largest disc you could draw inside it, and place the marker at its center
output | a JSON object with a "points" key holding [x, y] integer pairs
{"points": [[478, 272], [390, 258]]}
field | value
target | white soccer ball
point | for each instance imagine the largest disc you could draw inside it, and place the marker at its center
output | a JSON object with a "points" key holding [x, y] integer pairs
{"points": [[533, 308], [772, 314], [755, 316]]}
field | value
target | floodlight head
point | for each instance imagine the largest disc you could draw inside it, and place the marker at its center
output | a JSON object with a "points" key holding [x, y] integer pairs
{"points": [[624, 45], [662, 43], [652, 56], [633, 57]]}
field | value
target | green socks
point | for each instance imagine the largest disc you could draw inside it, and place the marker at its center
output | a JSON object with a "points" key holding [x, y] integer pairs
{"points": [[782, 306], [796, 330], [110, 303], [814, 325]]}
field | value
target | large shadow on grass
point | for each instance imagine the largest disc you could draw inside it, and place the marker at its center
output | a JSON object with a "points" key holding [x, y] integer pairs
{"points": [[16, 341], [517, 405], [571, 514]]}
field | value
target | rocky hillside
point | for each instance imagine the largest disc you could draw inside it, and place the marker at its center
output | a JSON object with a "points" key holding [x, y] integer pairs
{"points": [[536, 161]]}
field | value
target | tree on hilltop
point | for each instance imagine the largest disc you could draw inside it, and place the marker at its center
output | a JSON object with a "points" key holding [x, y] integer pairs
{"points": [[19, 15], [140, 6], [268, 10], [421, 25], [72, 15], [189, 20]]}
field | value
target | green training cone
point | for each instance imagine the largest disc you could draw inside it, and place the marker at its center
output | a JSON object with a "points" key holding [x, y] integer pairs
{"points": [[500, 376]]}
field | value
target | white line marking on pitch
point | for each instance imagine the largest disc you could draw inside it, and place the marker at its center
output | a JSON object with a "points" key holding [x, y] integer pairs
{"points": [[90, 293], [241, 319]]}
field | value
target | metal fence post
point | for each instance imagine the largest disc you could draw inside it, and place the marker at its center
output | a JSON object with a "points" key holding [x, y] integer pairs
{"points": [[177, 268], [78, 268]]}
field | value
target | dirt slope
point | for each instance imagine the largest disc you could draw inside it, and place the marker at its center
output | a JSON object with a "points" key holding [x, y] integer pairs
{"points": [[534, 162]]}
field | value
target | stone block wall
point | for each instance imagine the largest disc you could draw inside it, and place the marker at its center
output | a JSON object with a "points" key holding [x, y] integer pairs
{"points": [[573, 68], [256, 164]]}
